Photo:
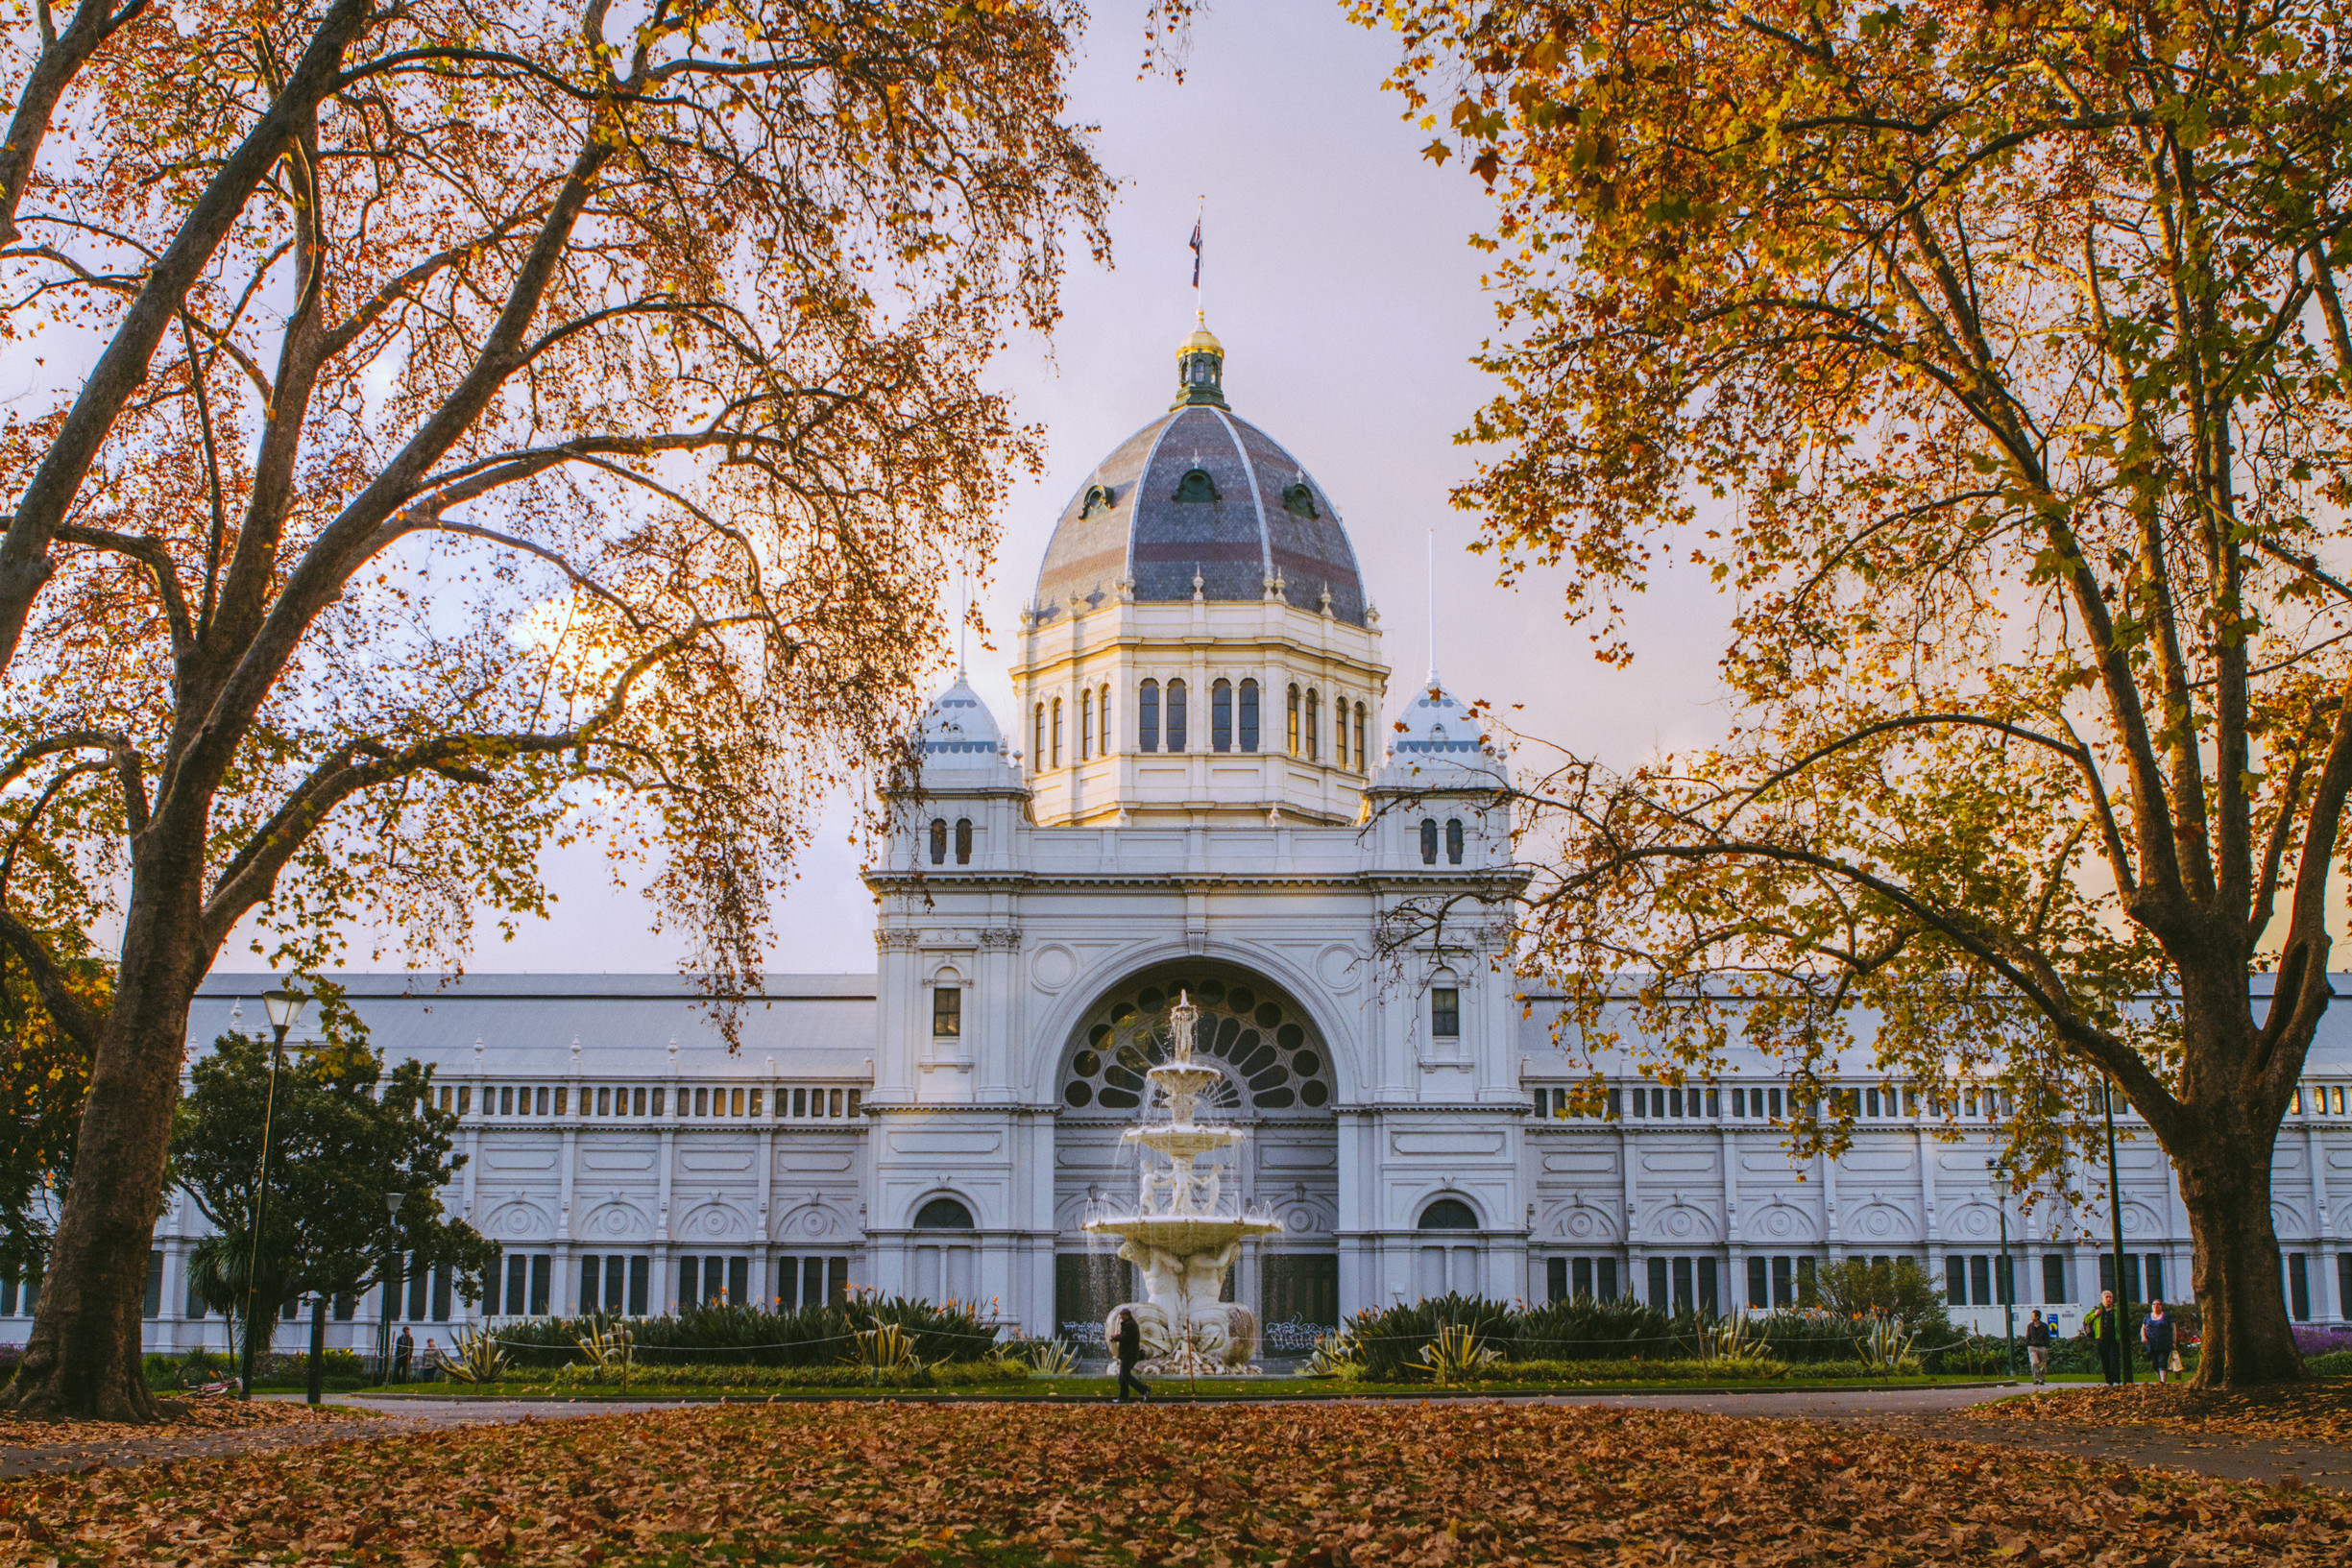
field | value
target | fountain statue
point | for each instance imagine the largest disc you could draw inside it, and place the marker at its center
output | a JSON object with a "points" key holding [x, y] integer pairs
{"points": [[1183, 1232]]}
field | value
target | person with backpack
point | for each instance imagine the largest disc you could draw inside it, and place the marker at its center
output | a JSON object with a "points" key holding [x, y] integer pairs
{"points": [[2156, 1334], [2037, 1346]]}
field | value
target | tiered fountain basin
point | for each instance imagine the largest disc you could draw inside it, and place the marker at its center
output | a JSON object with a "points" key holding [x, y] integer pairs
{"points": [[1181, 1238]]}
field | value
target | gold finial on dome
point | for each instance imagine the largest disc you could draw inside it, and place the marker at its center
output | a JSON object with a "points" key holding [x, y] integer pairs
{"points": [[1203, 339]]}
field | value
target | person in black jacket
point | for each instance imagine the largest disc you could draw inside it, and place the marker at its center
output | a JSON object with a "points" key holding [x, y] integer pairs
{"points": [[1130, 1351], [2103, 1327], [2037, 1345], [2156, 1332]]}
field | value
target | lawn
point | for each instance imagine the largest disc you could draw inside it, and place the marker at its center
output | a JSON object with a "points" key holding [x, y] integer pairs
{"points": [[1303, 1486], [1165, 1389]]}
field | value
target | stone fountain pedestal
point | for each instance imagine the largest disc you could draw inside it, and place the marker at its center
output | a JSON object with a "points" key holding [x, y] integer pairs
{"points": [[1181, 1234]]}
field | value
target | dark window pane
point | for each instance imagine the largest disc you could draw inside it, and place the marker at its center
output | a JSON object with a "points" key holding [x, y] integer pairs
{"points": [[1445, 1012], [1249, 716], [1175, 716], [1453, 841], [1429, 841], [946, 1010], [1146, 717], [1220, 716]]}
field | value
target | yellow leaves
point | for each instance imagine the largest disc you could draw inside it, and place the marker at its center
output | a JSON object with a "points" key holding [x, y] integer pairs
{"points": [[1341, 1485]]}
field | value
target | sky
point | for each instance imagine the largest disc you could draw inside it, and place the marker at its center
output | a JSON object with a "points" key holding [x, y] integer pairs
{"points": [[1340, 278]]}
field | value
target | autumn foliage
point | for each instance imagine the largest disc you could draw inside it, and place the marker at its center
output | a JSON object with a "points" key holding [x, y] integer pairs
{"points": [[1991, 359], [457, 428]]}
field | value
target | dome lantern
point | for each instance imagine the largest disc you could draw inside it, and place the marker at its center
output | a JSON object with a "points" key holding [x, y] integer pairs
{"points": [[1201, 363]]}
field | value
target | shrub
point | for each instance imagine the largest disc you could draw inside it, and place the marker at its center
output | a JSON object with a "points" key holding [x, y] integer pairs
{"points": [[1551, 1372], [738, 1378], [1390, 1339], [2330, 1363], [724, 1333], [1581, 1328]]}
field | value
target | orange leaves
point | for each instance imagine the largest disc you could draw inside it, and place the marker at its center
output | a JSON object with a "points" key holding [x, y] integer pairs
{"points": [[1328, 1487]]}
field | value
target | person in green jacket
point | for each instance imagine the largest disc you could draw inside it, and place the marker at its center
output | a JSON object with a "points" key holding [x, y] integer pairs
{"points": [[2102, 1323]]}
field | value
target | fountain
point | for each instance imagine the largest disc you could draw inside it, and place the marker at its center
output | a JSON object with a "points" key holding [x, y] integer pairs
{"points": [[1181, 1234]]}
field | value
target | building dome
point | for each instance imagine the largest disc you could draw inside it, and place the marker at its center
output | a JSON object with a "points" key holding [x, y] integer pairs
{"points": [[956, 731], [1201, 494]]}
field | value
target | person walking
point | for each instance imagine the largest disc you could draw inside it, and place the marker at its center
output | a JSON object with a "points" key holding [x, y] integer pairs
{"points": [[2103, 1326], [2037, 1346], [2156, 1334], [404, 1351], [1131, 1352]]}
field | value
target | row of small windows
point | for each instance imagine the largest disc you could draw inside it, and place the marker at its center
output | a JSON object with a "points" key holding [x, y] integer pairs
{"points": [[546, 1099], [1792, 1280], [1235, 724], [1454, 840], [940, 836], [2324, 1100], [1767, 1104]]}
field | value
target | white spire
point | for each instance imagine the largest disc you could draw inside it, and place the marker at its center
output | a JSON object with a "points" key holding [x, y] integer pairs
{"points": [[1431, 574]]}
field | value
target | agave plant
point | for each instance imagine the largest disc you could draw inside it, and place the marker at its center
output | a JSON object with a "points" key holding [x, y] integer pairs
{"points": [[478, 1358], [886, 1347], [607, 1347], [1731, 1339], [1334, 1355], [1456, 1356], [1884, 1345], [1052, 1357]]}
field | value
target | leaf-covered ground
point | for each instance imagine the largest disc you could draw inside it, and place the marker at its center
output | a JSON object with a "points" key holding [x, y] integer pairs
{"points": [[187, 1417], [2308, 1413], [1310, 1486]]}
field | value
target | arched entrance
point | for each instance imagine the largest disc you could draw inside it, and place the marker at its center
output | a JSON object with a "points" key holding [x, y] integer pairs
{"points": [[1278, 1083]]}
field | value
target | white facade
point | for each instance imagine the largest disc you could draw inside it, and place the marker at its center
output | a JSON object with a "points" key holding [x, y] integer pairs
{"points": [[939, 1128]]}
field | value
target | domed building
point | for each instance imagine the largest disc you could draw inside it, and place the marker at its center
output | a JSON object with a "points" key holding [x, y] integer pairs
{"points": [[1207, 789]]}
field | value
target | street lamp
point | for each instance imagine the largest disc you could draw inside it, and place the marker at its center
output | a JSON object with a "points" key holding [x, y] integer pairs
{"points": [[2004, 1277], [2115, 1217], [284, 1008], [391, 1285]]}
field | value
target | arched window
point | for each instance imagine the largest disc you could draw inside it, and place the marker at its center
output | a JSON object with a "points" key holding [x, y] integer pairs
{"points": [[938, 841], [1363, 763], [1146, 717], [1036, 749], [1220, 716], [963, 841], [1086, 724], [1445, 1214], [1108, 743], [1339, 732], [1453, 841], [947, 1214], [1429, 841], [1249, 716], [1294, 721], [1058, 731], [1315, 709], [1175, 716]]}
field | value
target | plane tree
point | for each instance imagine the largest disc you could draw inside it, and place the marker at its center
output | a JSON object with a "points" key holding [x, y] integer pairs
{"points": [[1991, 361], [443, 429]]}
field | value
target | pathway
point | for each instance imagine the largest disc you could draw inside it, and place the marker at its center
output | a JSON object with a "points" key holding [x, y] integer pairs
{"points": [[1918, 1413]]}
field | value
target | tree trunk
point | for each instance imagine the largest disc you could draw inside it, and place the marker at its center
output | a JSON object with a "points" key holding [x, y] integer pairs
{"points": [[2247, 1338], [84, 1360], [316, 1389]]}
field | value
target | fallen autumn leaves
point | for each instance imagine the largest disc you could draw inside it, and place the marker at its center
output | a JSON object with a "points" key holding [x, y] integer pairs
{"points": [[2310, 1413], [189, 1415], [1313, 1486]]}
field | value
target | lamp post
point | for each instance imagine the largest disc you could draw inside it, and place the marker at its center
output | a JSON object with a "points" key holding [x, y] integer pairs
{"points": [[2004, 1278], [392, 1286], [284, 1006], [2115, 1217]]}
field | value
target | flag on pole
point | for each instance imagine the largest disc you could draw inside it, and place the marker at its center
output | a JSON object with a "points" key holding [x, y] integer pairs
{"points": [[1196, 253]]}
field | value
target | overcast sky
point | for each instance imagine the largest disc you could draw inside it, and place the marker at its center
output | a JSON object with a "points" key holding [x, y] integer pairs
{"points": [[1339, 279]]}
